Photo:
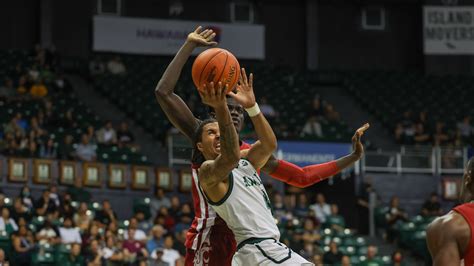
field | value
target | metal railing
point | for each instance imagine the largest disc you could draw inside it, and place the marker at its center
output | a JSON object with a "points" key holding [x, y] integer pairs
{"points": [[416, 160]]}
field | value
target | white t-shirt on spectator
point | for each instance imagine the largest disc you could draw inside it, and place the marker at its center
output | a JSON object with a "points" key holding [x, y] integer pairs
{"points": [[170, 256], [139, 235], [70, 235], [321, 212], [3, 224]]}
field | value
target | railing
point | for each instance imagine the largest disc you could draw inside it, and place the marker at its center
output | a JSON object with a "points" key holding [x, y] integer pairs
{"points": [[416, 160]]}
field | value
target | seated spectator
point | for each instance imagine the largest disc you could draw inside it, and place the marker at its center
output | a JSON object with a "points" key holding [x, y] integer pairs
{"points": [[112, 254], [78, 192], [49, 234], [66, 210], [124, 135], [440, 135], [421, 137], [107, 135], [134, 232], [69, 232], [53, 195], [310, 232], [23, 245], [317, 108], [301, 209], [96, 67], [66, 151], [3, 259], [345, 261], [82, 218], [312, 128], [335, 221], [48, 150], [157, 240], [90, 131], [465, 128], [93, 255], [156, 258], [267, 109], [106, 215], [179, 244], [165, 219], [170, 255], [159, 201], [397, 258], [45, 205], [330, 113], [432, 207], [7, 91], [317, 260], [115, 66], [91, 234], [279, 206], [74, 258], [86, 151], [39, 90], [20, 211], [7, 224], [134, 249], [175, 207], [321, 209], [372, 260], [25, 195], [333, 256], [184, 218], [394, 216]]}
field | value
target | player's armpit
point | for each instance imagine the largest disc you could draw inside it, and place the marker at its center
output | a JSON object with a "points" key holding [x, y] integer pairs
{"points": [[442, 242], [213, 180]]}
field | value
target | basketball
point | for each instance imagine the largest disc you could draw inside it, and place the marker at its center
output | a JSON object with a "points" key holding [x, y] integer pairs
{"points": [[216, 65]]}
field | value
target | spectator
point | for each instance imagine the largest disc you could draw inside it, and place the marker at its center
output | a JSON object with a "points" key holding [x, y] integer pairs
{"points": [[116, 67], [321, 209], [175, 207], [179, 244], [394, 216], [39, 90], [440, 136], [317, 260], [310, 232], [91, 234], [317, 108], [279, 206], [3, 259], [69, 121], [66, 151], [53, 195], [143, 224], [48, 150], [465, 128], [69, 232], [83, 217], [93, 255], [157, 240], [335, 221], [20, 211], [159, 201], [96, 67], [7, 91], [49, 234], [185, 217], [90, 131], [107, 135], [124, 135], [170, 255], [7, 223], [267, 109], [86, 151], [345, 261], [312, 128], [22, 88], [372, 260], [156, 258], [111, 253], [165, 219], [330, 113], [106, 215], [45, 205], [134, 232], [397, 258], [23, 245], [134, 249], [66, 210], [432, 207], [333, 256], [74, 258], [26, 198], [421, 137]]}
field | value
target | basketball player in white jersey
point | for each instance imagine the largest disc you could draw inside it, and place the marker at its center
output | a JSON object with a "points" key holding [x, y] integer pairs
{"points": [[231, 183]]}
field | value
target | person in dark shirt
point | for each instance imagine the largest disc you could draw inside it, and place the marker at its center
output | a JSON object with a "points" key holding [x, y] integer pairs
{"points": [[432, 207], [78, 193], [333, 256], [45, 205], [106, 215], [124, 135], [20, 211]]}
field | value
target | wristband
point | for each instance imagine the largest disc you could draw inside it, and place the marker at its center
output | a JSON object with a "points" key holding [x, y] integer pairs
{"points": [[253, 111]]}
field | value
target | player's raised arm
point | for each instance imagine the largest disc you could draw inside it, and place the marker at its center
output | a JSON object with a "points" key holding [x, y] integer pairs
{"points": [[213, 171], [173, 106], [259, 153]]}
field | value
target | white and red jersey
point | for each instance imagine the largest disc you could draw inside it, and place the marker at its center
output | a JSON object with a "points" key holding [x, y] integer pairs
{"points": [[205, 217]]}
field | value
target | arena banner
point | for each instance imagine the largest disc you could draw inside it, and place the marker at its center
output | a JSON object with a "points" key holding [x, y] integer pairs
{"points": [[165, 37], [304, 153], [448, 30]]}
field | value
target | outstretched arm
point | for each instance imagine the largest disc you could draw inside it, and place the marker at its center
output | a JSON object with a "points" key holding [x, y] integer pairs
{"points": [[312, 174], [259, 153], [174, 107]]}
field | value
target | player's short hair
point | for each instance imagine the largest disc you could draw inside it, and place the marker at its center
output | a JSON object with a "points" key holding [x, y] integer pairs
{"points": [[197, 156]]}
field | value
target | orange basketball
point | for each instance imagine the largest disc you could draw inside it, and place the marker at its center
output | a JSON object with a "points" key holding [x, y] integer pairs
{"points": [[216, 65]]}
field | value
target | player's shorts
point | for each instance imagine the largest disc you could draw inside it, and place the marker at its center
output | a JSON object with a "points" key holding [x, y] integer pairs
{"points": [[266, 251], [216, 250]]}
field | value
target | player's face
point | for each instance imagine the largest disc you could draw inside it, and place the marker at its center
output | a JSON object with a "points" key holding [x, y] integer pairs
{"points": [[210, 141], [237, 113]]}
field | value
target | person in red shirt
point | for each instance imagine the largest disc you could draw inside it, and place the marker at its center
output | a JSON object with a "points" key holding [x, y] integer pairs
{"points": [[209, 240], [449, 237]]}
